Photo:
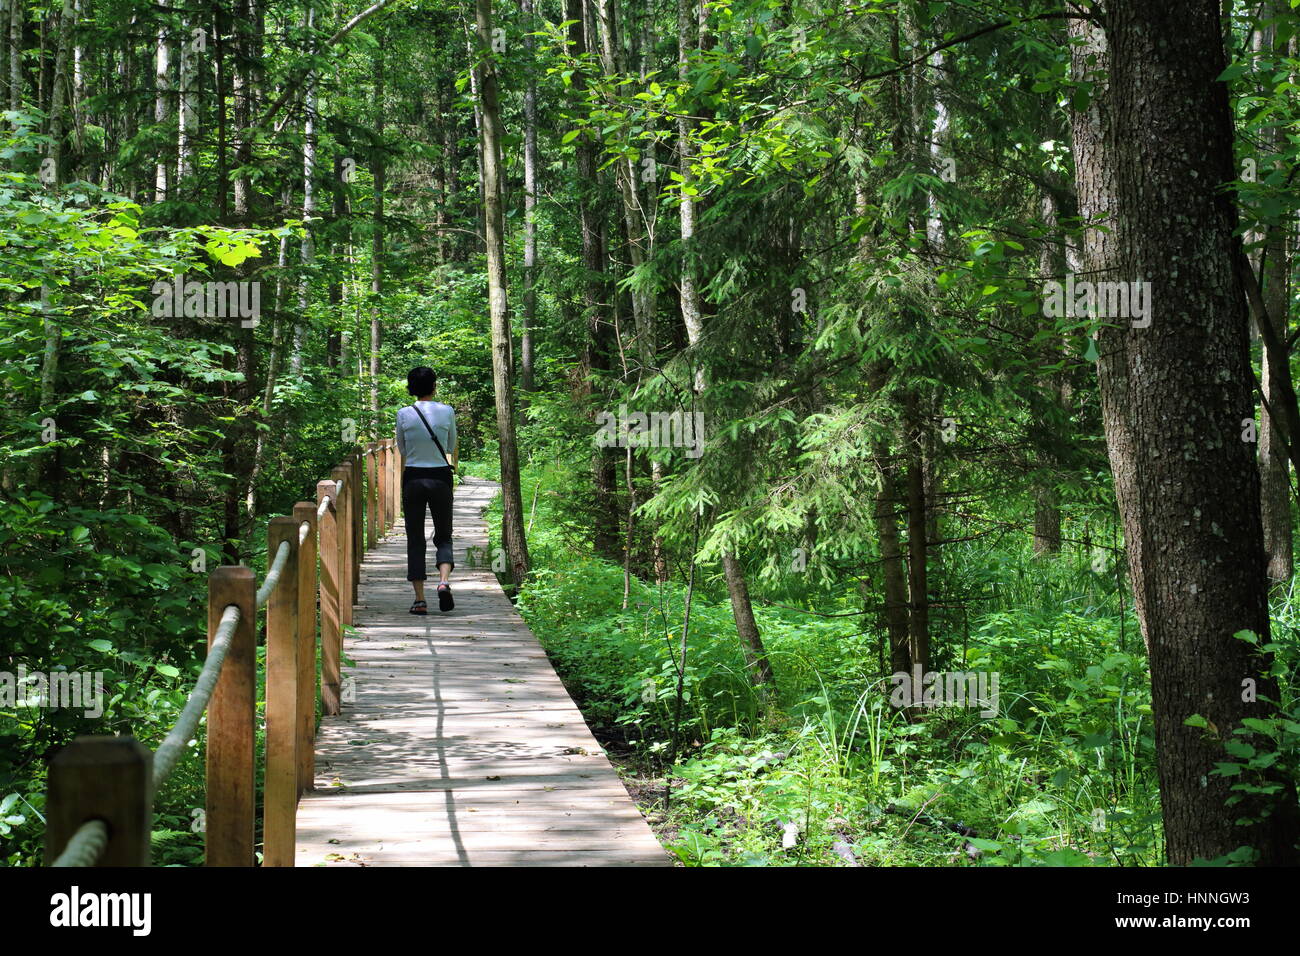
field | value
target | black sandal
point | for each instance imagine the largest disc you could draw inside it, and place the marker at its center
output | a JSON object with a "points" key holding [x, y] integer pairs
{"points": [[445, 603], [419, 607]]}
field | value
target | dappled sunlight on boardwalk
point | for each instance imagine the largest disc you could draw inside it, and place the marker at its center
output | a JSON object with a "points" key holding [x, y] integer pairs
{"points": [[458, 745]]}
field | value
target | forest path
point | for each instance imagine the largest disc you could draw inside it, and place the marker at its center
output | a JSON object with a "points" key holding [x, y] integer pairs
{"points": [[458, 744]]}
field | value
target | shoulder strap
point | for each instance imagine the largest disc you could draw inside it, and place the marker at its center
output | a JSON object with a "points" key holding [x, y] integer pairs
{"points": [[441, 450]]}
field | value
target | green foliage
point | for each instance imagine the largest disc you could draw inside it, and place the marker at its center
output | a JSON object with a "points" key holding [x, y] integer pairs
{"points": [[867, 319], [1062, 775]]}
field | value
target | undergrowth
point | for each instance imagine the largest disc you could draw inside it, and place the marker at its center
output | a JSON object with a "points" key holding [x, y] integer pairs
{"points": [[828, 772]]}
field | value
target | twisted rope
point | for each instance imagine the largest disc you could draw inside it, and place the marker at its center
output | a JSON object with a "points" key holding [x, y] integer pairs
{"points": [[85, 846], [170, 750], [273, 574]]}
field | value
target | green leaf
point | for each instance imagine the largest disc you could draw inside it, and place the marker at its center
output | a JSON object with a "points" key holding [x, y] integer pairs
{"points": [[1067, 857]]}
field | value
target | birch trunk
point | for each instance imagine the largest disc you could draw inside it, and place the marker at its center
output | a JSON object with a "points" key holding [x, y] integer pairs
{"points": [[512, 522]]}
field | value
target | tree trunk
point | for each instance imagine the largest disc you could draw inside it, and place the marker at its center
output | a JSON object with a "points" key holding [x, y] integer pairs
{"points": [[1274, 470], [49, 375], [162, 76], [751, 642], [530, 205], [17, 14], [221, 94], [688, 291], [1187, 485], [339, 246], [692, 317], [512, 521], [597, 352], [918, 622], [273, 362], [477, 98], [187, 120], [895, 612], [307, 250], [377, 238], [77, 90], [640, 244], [59, 92], [237, 453], [450, 165], [1047, 511], [242, 91], [43, 66], [5, 17]]}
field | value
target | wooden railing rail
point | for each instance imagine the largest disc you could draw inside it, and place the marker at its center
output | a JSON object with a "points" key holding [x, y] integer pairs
{"points": [[99, 802]]}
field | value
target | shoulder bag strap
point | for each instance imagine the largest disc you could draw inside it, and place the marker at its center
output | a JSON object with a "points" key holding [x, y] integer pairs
{"points": [[441, 450]]}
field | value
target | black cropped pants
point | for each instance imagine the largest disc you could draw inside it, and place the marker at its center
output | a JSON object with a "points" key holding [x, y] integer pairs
{"points": [[426, 489]]}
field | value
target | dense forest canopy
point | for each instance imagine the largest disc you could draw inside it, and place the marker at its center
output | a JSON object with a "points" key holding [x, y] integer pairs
{"points": [[835, 358]]}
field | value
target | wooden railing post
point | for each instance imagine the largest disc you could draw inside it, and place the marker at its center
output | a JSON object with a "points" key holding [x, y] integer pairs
{"points": [[372, 494], [307, 590], [101, 778], [381, 483], [358, 524], [397, 484], [232, 711], [330, 589], [386, 500], [280, 787], [346, 529], [394, 483]]}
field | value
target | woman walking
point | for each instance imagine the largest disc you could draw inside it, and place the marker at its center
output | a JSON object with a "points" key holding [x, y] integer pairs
{"points": [[426, 440]]}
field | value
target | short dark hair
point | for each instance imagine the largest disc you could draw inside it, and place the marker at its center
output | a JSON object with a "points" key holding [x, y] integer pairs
{"points": [[420, 381]]}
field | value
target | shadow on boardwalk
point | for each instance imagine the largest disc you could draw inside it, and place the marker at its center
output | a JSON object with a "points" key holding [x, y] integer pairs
{"points": [[458, 745]]}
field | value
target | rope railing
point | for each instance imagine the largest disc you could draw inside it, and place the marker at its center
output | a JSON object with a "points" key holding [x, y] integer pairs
{"points": [[273, 574], [187, 725], [101, 789], [86, 845]]}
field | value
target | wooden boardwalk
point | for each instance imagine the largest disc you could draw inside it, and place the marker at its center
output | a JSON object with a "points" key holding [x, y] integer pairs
{"points": [[458, 744]]}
